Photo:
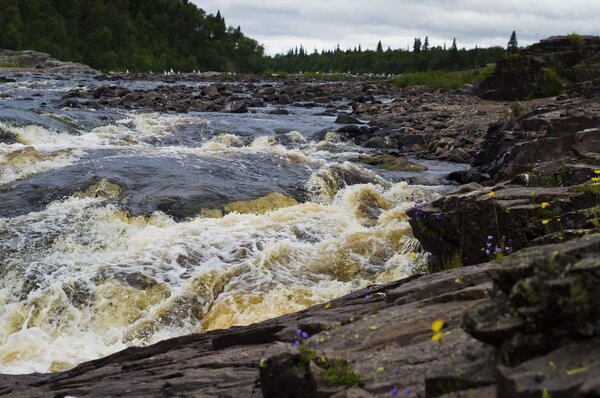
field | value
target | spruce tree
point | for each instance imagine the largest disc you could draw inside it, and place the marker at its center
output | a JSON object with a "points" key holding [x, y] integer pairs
{"points": [[417, 45], [425, 44], [513, 45], [379, 47], [454, 48]]}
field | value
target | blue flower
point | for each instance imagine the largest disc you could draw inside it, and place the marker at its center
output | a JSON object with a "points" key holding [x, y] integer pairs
{"points": [[408, 390], [394, 392], [304, 335]]}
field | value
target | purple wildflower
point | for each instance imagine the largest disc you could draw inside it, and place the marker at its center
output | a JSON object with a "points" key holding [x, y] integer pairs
{"points": [[304, 335], [490, 237], [487, 251], [408, 390], [394, 392], [297, 343], [397, 372]]}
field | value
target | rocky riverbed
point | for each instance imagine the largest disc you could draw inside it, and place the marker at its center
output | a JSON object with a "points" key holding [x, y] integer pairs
{"points": [[506, 304]]}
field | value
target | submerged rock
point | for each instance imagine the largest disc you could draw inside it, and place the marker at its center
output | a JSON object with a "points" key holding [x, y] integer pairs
{"points": [[390, 162]]}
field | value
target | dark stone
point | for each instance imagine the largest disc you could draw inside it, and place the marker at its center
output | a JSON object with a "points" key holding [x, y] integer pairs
{"points": [[287, 375], [6, 137], [284, 99], [468, 176], [344, 118], [236, 107], [544, 295], [570, 371], [279, 111]]}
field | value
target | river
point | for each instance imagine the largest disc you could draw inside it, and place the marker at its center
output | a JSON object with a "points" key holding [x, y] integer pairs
{"points": [[122, 228]]}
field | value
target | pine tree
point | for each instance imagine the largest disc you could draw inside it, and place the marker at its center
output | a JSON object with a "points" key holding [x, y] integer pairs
{"points": [[379, 47], [513, 45]]}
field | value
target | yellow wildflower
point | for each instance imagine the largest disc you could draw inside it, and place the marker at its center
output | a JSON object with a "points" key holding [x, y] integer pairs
{"points": [[437, 336], [545, 221], [327, 305], [597, 171], [545, 204], [491, 194], [595, 179], [438, 325]]}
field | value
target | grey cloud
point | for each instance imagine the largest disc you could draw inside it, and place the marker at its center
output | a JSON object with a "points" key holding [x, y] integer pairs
{"points": [[280, 24]]}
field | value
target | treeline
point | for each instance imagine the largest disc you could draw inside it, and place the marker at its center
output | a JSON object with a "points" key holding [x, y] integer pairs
{"points": [[420, 58], [139, 35], [158, 35]]}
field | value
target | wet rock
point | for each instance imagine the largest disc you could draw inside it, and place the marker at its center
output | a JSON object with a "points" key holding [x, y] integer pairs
{"points": [[390, 162], [236, 107], [468, 176], [267, 91], [279, 111], [344, 118], [6, 137], [284, 99]]}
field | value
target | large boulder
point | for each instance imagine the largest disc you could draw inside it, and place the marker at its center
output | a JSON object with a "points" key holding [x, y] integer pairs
{"points": [[546, 69]]}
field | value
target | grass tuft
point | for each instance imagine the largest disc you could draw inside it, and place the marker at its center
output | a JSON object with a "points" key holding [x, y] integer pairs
{"points": [[438, 79]]}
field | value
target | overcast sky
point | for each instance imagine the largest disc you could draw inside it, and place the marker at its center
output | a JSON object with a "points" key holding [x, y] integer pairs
{"points": [[282, 24]]}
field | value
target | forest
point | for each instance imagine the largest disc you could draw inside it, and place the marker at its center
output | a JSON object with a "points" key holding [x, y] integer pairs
{"points": [[139, 35], [418, 59], [158, 35]]}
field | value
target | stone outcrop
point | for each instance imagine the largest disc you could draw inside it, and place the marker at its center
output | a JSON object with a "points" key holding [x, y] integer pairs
{"points": [[547, 68], [39, 60], [540, 172]]}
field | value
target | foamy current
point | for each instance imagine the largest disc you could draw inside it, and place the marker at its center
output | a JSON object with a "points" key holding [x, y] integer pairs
{"points": [[82, 278]]}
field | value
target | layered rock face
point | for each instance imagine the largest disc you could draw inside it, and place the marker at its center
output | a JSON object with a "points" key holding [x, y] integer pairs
{"points": [[547, 68], [541, 187]]}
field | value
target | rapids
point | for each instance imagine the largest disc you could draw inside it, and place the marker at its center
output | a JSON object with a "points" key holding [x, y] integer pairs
{"points": [[125, 228]]}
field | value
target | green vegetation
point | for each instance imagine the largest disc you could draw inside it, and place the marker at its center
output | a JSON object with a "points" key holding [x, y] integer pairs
{"points": [[357, 61], [340, 373], [438, 79], [551, 83], [516, 109], [455, 261], [139, 35], [10, 65], [337, 372], [513, 44]]}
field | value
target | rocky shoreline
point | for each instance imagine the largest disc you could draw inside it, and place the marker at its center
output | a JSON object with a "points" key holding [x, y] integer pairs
{"points": [[512, 309]]}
